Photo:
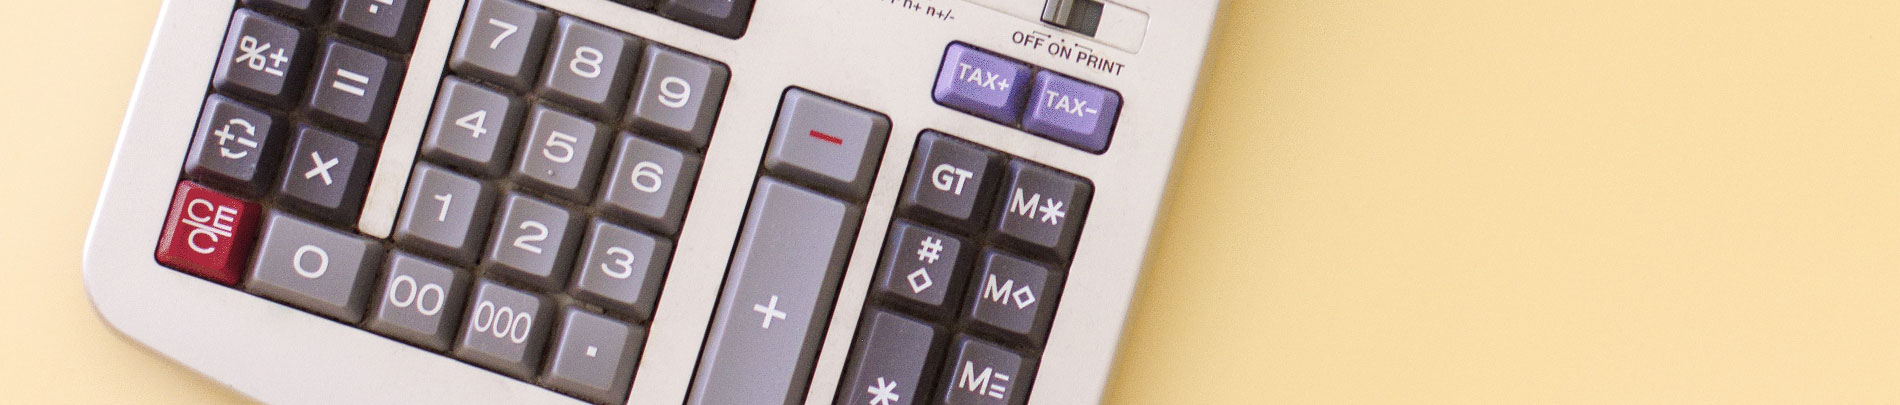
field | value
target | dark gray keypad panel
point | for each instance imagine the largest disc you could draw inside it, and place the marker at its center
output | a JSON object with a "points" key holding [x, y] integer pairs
{"points": [[985, 265]]}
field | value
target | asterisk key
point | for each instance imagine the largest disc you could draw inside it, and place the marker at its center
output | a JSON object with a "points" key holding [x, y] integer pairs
{"points": [[1052, 211]]}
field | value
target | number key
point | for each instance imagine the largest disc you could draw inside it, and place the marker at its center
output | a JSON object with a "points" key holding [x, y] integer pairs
{"points": [[589, 67], [534, 243], [504, 329], [501, 41], [420, 303], [622, 269], [313, 267], [444, 213], [473, 128], [650, 184], [562, 153], [679, 96]]}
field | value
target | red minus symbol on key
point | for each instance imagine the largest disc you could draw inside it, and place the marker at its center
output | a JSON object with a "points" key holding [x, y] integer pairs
{"points": [[827, 138]]}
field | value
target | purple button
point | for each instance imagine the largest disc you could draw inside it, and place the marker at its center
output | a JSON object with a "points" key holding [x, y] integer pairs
{"points": [[981, 83], [1072, 112]]}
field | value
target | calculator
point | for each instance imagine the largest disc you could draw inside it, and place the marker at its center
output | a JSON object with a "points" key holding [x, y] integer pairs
{"points": [[645, 201]]}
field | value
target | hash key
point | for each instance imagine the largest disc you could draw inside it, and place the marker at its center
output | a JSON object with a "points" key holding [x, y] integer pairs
{"points": [[923, 266], [263, 59], [355, 89], [326, 176]]}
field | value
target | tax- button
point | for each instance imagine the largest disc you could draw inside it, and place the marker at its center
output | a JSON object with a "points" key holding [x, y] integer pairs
{"points": [[1043, 209], [827, 142], [208, 234], [981, 83], [1072, 112], [951, 180]]}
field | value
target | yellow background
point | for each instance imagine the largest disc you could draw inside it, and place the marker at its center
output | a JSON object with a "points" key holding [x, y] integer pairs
{"points": [[1391, 201]]}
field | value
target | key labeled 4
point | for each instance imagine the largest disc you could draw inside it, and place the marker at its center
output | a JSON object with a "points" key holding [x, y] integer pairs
{"points": [[208, 234]]}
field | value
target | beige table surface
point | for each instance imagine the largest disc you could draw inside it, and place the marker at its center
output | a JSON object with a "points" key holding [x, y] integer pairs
{"points": [[1603, 201]]}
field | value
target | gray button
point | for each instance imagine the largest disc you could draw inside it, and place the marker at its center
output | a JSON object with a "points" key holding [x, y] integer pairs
{"points": [[421, 301], [355, 89], [236, 148], [315, 268], [1015, 296], [306, 10], [923, 266], [1043, 209], [386, 23], [827, 142], [589, 68], [473, 128], [650, 184], [326, 175], [622, 269], [504, 329], [895, 356], [534, 242], [723, 17], [777, 296], [444, 214], [263, 59], [984, 373], [951, 181], [501, 41], [679, 96], [594, 356], [561, 153]]}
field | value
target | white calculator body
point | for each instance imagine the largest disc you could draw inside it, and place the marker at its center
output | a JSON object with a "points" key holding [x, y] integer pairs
{"points": [[645, 201]]}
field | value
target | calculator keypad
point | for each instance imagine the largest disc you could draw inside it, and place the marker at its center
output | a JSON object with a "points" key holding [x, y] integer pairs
{"points": [[536, 228], [557, 165], [991, 280]]}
